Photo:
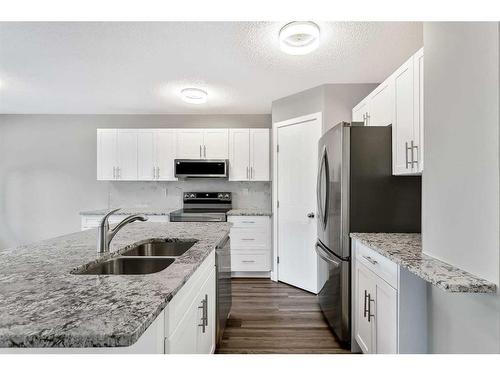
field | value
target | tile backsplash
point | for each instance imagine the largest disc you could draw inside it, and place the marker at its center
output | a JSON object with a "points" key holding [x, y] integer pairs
{"points": [[168, 194]]}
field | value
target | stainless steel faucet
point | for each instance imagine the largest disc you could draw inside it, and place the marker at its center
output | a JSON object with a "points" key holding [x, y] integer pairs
{"points": [[105, 235]]}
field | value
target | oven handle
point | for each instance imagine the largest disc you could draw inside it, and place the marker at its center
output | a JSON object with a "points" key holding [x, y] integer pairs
{"points": [[324, 254]]}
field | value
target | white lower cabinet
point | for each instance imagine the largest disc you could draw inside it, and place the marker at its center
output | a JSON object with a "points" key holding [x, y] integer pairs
{"points": [[190, 316], [389, 305], [250, 245]]}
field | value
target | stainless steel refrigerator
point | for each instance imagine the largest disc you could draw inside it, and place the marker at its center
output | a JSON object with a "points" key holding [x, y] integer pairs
{"points": [[356, 192]]}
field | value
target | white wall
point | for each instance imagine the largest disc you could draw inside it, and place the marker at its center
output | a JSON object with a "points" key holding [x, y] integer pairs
{"points": [[460, 184], [335, 101], [48, 170]]}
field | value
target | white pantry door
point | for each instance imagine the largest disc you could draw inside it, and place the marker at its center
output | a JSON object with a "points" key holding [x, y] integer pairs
{"points": [[297, 161]]}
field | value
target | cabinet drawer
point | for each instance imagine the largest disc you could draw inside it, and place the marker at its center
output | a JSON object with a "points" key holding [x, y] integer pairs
{"points": [[253, 238], [250, 261], [249, 221], [380, 265]]}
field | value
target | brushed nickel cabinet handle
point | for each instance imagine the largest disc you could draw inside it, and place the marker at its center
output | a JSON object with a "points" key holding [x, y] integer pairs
{"points": [[204, 317], [369, 259], [200, 152], [370, 315], [114, 173], [414, 160], [248, 261], [205, 151], [365, 310], [406, 155]]}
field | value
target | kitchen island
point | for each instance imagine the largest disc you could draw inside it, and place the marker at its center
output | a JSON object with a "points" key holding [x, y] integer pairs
{"points": [[44, 304]]}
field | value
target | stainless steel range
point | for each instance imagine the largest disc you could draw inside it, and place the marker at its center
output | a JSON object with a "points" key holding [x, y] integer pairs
{"points": [[207, 206]]}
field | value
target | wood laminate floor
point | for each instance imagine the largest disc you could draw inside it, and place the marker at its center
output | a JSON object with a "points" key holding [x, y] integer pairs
{"points": [[269, 317]]}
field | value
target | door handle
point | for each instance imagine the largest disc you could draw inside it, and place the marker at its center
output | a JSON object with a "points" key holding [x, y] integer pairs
{"points": [[310, 215]]}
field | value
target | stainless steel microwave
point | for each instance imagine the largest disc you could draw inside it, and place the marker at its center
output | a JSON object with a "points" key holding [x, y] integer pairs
{"points": [[204, 168]]}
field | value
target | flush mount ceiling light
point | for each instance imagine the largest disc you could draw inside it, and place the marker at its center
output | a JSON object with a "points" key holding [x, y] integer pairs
{"points": [[299, 37], [194, 95]]}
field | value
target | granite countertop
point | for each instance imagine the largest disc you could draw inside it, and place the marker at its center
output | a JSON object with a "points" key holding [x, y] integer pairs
{"points": [[405, 249], [131, 211], [249, 212], [44, 305]]}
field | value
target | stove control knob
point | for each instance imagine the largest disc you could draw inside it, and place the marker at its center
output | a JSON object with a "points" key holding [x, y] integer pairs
{"points": [[186, 196], [220, 196], [226, 196], [191, 196]]}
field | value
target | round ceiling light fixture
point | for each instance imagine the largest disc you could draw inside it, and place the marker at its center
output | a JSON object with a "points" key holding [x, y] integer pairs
{"points": [[194, 96], [299, 37]]}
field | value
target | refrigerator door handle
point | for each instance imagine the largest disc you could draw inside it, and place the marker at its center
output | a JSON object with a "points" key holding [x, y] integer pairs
{"points": [[324, 255], [323, 206]]}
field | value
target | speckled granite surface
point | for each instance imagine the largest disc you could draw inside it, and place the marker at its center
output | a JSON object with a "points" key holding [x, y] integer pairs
{"points": [[131, 211], [405, 249], [44, 305], [249, 212]]}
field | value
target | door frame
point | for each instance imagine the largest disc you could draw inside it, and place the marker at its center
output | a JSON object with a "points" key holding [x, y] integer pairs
{"points": [[274, 154]]}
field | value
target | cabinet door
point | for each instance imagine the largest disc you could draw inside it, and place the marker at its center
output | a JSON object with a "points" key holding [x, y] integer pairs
{"points": [[384, 308], [365, 287], [189, 144], [239, 154], [165, 154], [403, 119], [216, 144], [259, 154], [183, 339], [382, 104], [359, 112], [146, 155], [106, 154], [126, 154], [418, 127], [205, 338]]}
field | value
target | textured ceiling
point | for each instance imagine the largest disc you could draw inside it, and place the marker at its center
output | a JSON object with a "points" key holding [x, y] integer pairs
{"points": [[130, 67]]}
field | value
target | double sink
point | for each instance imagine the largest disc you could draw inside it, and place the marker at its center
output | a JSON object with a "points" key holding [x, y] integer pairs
{"points": [[150, 257]]}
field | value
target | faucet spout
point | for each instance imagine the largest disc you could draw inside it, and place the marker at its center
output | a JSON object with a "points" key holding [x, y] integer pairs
{"points": [[105, 235]]}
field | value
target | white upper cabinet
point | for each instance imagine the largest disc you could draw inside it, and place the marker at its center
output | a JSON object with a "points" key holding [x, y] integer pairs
{"points": [[156, 153], [418, 123], [106, 154], [165, 153], [239, 154], [216, 144], [399, 101], [126, 154], [149, 154], [259, 154], [249, 154], [360, 112], [402, 131], [380, 109], [146, 166], [190, 143], [202, 144], [117, 154]]}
